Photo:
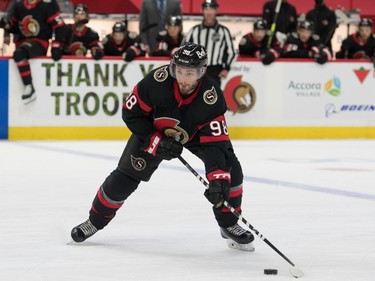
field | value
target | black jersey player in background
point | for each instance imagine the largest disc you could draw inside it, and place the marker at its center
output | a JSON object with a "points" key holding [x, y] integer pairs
{"points": [[123, 43], [81, 38], [175, 106], [254, 44], [325, 22], [361, 44], [33, 21], [305, 44], [169, 40]]}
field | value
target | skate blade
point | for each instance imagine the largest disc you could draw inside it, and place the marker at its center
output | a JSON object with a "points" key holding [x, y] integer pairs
{"points": [[29, 100], [242, 247]]}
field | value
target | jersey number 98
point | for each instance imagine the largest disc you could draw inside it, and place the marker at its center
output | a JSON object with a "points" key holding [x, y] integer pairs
{"points": [[219, 128]]}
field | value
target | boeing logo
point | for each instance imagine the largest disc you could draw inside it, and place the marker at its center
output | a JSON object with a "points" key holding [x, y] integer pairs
{"points": [[332, 109]]}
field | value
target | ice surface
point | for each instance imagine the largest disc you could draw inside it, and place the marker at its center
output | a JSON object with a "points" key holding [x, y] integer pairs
{"points": [[314, 200]]}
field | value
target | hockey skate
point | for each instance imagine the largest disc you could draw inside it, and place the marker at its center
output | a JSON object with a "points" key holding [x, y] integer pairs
{"points": [[29, 94], [83, 231], [238, 238]]}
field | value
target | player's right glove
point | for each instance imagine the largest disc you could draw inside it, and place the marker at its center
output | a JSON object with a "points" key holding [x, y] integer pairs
{"points": [[164, 147], [219, 187], [56, 51]]}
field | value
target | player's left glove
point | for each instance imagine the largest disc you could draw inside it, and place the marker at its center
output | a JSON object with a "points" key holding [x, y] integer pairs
{"points": [[219, 187], [56, 51], [97, 53], [319, 55], [267, 57], [3, 22], [130, 55]]}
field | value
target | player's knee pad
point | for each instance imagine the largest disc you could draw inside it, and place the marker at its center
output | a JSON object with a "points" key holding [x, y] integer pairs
{"points": [[136, 163], [236, 171], [118, 185], [20, 54]]}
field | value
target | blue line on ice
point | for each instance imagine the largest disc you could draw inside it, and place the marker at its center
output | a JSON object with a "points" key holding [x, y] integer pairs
{"points": [[299, 186]]}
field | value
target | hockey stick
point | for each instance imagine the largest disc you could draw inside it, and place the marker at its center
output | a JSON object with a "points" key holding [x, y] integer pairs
{"points": [[273, 26], [294, 271]]}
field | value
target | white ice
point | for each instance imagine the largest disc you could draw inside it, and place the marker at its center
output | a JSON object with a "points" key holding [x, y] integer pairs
{"points": [[314, 200]]}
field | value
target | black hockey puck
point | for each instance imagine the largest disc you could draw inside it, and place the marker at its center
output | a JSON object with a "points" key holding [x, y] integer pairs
{"points": [[270, 271]]}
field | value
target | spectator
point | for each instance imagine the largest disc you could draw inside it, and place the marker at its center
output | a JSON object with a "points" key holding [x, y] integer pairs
{"points": [[324, 20], [287, 18], [169, 40], [81, 38], [303, 44], [254, 44], [216, 39], [154, 14], [123, 43], [360, 45], [32, 39]]}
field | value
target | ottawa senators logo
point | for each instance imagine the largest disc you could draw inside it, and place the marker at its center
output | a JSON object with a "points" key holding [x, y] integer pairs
{"points": [[169, 127], [239, 95], [210, 96], [138, 163], [29, 26], [77, 49], [161, 74]]}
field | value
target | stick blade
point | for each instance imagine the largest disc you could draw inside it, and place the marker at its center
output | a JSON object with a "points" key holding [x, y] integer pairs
{"points": [[296, 272], [341, 15]]}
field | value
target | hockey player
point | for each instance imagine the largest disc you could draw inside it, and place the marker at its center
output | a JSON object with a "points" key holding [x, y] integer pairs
{"points": [[169, 40], [360, 45], [123, 43], [254, 44], [304, 44], [162, 114], [33, 21], [81, 38]]}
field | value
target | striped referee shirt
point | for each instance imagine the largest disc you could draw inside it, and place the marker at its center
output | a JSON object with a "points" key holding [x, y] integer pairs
{"points": [[217, 41]]}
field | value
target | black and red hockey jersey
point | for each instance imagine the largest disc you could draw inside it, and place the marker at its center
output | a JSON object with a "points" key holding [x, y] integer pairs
{"points": [[165, 44], [249, 47], [295, 48], [79, 42], [36, 21], [132, 40], [156, 105], [352, 47]]}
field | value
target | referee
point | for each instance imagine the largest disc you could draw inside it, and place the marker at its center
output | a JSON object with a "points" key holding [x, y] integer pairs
{"points": [[216, 39]]}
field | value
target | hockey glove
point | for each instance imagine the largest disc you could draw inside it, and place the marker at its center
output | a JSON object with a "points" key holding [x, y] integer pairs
{"points": [[97, 53], [320, 58], [219, 187], [56, 51], [129, 55], [163, 147], [319, 55], [3, 22], [267, 57]]}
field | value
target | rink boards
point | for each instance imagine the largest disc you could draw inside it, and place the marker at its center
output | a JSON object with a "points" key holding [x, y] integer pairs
{"points": [[82, 99]]}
